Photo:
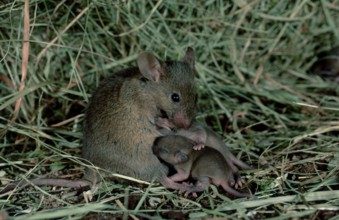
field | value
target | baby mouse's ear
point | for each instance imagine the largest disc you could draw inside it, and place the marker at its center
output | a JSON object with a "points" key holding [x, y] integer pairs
{"points": [[189, 57], [149, 66], [181, 157]]}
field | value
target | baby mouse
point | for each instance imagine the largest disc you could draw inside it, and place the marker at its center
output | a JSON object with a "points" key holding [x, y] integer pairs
{"points": [[120, 129], [205, 165], [204, 136]]}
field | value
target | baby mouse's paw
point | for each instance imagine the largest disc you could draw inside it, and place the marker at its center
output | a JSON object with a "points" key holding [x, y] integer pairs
{"points": [[198, 146]]}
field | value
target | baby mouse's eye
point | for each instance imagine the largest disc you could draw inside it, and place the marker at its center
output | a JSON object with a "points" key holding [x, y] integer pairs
{"points": [[175, 97], [164, 150]]}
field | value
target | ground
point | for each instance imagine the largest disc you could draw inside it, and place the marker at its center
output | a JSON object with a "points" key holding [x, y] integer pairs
{"points": [[258, 86]]}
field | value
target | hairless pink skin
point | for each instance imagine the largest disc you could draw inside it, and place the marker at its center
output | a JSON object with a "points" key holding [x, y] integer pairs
{"points": [[206, 165]]}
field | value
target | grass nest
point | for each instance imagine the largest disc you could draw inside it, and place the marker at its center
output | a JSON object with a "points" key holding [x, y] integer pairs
{"points": [[255, 83]]}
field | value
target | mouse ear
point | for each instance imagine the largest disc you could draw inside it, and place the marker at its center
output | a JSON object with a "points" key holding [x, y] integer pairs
{"points": [[149, 66], [189, 57], [181, 157]]}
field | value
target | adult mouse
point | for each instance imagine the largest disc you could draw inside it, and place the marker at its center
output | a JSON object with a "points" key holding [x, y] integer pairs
{"points": [[205, 165], [120, 129]]}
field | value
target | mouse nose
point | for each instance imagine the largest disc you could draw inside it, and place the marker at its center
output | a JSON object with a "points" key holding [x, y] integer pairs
{"points": [[181, 121]]}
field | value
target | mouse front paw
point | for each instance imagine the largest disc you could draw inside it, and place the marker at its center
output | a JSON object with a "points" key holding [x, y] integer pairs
{"points": [[190, 188], [235, 180], [164, 123], [198, 146]]}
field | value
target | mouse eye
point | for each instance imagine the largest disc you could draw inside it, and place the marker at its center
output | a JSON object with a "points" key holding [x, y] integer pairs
{"points": [[164, 150], [175, 97]]}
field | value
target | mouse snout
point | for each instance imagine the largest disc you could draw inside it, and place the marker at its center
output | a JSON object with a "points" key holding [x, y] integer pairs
{"points": [[181, 120]]}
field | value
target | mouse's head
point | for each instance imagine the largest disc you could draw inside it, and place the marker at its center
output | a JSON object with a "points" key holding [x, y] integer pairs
{"points": [[173, 149], [171, 86]]}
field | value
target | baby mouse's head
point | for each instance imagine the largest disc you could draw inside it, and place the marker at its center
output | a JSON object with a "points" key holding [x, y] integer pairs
{"points": [[173, 149], [172, 86]]}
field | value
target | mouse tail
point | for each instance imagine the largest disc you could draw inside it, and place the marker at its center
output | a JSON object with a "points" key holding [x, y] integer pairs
{"points": [[234, 192], [240, 163]]}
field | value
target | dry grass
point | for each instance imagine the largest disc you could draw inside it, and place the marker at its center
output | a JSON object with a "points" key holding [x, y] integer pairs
{"points": [[254, 87]]}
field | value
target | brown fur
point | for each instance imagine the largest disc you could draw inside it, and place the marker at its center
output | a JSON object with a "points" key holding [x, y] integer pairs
{"points": [[120, 127], [206, 165], [204, 136]]}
